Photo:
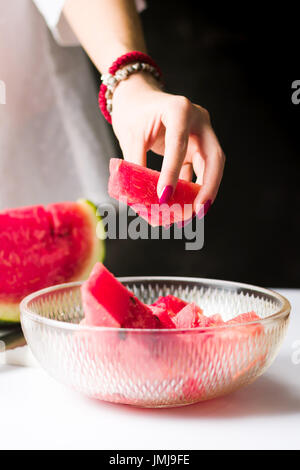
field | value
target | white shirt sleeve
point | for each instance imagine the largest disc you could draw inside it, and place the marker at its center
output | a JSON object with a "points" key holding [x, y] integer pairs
{"points": [[52, 12]]}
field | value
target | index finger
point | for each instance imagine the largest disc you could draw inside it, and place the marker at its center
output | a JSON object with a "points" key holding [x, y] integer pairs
{"points": [[177, 124]]}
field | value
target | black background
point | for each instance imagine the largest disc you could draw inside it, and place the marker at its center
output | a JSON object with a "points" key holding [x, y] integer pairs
{"points": [[239, 63]]}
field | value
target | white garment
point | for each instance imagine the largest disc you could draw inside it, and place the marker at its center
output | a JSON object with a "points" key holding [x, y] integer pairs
{"points": [[54, 143], [52, 12]]}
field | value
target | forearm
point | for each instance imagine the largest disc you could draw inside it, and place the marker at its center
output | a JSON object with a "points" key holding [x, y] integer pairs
{"points": [[105, 28]]}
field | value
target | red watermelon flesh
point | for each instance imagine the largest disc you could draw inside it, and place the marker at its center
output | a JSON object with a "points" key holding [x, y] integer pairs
{"points": [[107, 302], [213, 320], [137, 186], [226, 354], [171, 303], [244, 318], [243, 329], [164, 316], [188, 317], [42, 246], [176, 313], [216, 319], [166, 307]]}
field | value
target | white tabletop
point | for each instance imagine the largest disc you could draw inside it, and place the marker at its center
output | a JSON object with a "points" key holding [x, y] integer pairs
{"points": [[38, 413]]}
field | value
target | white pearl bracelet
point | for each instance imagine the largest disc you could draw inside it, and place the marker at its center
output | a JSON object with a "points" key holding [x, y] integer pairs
{"points": [[112, 81]]}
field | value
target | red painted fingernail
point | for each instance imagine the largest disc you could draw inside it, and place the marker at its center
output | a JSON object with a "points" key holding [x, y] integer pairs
{"points": [[166, 194], [204, 209]]}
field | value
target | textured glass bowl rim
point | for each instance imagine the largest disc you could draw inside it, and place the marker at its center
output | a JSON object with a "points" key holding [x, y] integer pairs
{"points": [[217, 283]]}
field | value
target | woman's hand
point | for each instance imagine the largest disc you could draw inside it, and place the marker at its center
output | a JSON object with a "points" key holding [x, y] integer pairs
{"points": [[146, 118]]}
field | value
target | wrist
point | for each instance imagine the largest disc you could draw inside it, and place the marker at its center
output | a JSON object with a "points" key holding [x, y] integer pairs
{"points": [[138, 83], [132, 63]]}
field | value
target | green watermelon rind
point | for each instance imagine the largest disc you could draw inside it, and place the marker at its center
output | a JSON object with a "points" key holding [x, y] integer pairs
{"points": [[11, 315], [10, 312], [98, 253]]}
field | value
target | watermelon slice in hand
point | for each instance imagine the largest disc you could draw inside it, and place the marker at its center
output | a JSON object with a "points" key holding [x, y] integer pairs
{"points": [[137, 186], [42, 246]]}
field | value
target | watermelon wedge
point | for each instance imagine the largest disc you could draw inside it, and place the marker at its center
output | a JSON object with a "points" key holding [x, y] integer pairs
{"points": [[42, 246], [137, 186], [107, 302]]}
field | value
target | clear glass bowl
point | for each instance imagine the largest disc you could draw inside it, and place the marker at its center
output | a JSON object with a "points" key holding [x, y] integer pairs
{"points": [[157, 368]]}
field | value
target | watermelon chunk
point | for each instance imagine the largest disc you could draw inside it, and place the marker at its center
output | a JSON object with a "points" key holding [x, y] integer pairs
{"points": [[244, 318], [137, 186], [42, 246], [255, 329], [191, 316], [176, 313], [213, 320], [164, 316], [167, 307], [188, 317], [170, 303], [107, 302]]}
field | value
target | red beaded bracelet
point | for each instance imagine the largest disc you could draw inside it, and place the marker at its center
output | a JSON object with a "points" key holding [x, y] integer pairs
{"points": [[110, 80]]}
